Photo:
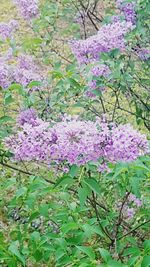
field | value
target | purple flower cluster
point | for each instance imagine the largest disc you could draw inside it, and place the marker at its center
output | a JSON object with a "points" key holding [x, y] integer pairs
{"points": [[99, 70], [27, 116], [143, 53], [23, 70], [32, 142], [5, 74], [127, 9], [7, 29], [26, 71], [109, 37], [125, 144], [131, 206], [76, 142], [28, 8], [137, 202]]}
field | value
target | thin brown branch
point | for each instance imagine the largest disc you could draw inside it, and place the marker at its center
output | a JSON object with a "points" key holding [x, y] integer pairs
{"points": [[132, 231]]}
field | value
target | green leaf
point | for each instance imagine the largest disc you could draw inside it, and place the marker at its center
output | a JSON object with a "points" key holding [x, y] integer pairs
{"points": [[83, 194], [132, 261], [105, 254], [59, 253], [146, 262], [139, 165], [88, 251], [135, 251], [8, 99], [13, 248], [64, 181], [44, 210], [22, 191], [93, 184], [147, 245], [68, 227], [73, 171], [35, 236], [34, 84], [38, 255], [119, 169], [97, 92], [135, 184], [15, 86], [4, 119]]}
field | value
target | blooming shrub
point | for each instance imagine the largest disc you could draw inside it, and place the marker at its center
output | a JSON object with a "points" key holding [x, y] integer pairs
{"points": [[75, 169]]}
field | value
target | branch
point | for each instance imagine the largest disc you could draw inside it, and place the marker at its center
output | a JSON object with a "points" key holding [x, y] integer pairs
{"points": [[137, 227], [23, 171], [93, 203], [120, 214]]}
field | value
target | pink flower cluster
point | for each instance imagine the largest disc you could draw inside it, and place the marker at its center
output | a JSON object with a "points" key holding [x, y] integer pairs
{"points": [[7, 29], [75, 141], [109, 37], [28, 8]]}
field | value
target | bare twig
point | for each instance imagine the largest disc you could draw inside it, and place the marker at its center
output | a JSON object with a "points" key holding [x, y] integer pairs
{"points": [[132, 231]]}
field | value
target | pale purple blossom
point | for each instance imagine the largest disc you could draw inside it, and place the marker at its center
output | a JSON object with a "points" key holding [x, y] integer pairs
{"points": [[28, 8], [130, 213], [115, 18], [23, 70], [98, 70], [128, 10], [130, 207], [109, 37], [76, 142], [5, 74], [7, 29], [143, 53], [27, 116], [125, 144], [135, 200], [26, 71]]}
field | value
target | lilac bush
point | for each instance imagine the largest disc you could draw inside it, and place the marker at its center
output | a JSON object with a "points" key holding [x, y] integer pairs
{"points": [[75, 171]]}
